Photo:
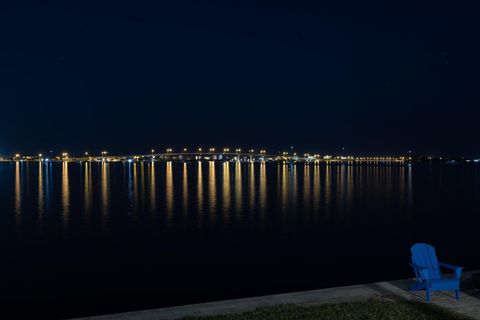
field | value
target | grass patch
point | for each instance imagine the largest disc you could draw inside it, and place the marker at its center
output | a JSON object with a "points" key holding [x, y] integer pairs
{"points": [[372, 310]]}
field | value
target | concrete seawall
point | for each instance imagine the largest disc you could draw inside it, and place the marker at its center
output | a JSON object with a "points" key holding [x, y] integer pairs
{"points": [[469, 303]]}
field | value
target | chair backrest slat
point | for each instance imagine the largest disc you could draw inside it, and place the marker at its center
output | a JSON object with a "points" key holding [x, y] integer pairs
{"points": [[424, 256]]}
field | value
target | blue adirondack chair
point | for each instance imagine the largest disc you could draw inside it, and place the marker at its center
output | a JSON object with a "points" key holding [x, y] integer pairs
{"points": [[427, 271]]}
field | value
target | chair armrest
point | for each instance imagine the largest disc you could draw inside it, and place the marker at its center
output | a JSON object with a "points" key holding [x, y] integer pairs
{"points": [[424, 275], [450, 266], [456, 269]]}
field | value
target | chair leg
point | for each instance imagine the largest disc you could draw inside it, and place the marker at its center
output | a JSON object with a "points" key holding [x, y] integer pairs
{"points": [[428, 295], [457, 294]]}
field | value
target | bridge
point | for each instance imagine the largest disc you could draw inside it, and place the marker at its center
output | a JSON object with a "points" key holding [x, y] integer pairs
{"points": [[212, 154]]}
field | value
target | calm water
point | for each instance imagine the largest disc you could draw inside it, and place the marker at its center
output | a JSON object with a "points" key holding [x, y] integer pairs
{"points": [[80, 239]]}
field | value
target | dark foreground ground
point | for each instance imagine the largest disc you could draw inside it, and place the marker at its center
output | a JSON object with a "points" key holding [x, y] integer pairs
{"points": [[372, 309]]}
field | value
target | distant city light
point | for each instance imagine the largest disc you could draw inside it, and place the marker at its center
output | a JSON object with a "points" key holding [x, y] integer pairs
{"points": [[247, 155]]}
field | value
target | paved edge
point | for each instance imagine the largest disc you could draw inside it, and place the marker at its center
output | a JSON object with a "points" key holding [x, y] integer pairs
{"points": [[321, 296]]}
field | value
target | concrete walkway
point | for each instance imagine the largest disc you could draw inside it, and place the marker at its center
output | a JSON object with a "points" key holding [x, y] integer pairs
{"points": [[469, 303]]}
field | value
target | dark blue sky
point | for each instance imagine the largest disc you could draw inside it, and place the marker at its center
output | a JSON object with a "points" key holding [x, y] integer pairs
{"points": [[375, 77]]}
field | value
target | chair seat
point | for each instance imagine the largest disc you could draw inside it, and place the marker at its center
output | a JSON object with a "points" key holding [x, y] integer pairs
{"points": [[444, 284]]}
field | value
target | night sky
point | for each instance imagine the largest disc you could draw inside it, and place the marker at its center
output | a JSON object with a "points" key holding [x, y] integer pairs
{"points": [[373, 77]]}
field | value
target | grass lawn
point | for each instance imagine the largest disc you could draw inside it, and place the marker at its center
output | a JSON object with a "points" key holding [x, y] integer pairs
{"points": [[371, 309]]}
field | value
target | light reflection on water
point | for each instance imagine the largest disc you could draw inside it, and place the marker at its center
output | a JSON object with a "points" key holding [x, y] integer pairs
{"points": [[65, 196], [212, 190], [87, 192], [200, 192], [238, 189], [18, 194], [169, 191], [226, 191], [105, 194], [185, 189], [153, 187], [193, 195], [263, 189], [41, 196]]}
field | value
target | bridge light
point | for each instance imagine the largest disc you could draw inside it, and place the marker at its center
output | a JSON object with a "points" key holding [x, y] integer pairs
{"points": [[169, 150], [199, 149], [212, 149], [184, 149], [86, 153], [238, 150], [153, 150], [226, 150]]}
